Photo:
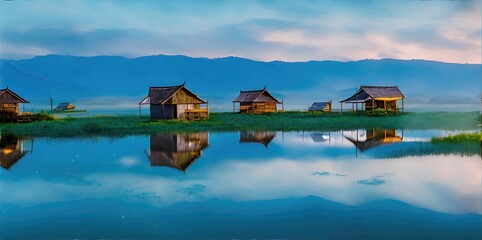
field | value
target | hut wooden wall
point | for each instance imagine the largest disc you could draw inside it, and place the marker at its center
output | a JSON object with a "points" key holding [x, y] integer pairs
{"points": [[183, 96], [327, 108], [387, 105], [181, 108], [8, 104], [9, 108], [163, 111], [257, 107]]}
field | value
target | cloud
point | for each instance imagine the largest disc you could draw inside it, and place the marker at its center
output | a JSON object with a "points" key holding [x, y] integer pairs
{"points": [[129, 161], [261, 30]]}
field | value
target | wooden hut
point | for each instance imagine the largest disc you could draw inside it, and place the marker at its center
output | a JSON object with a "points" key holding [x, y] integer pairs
{"points": [[9, 105], [175, 102], [320, 107], [256, 102], [257, 137], [374, 138], [64, 106], [177, 150], [377, 97], [11, 150]]}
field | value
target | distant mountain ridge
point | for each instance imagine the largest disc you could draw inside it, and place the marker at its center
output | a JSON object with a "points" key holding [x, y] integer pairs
{"points": [[113, 81]]}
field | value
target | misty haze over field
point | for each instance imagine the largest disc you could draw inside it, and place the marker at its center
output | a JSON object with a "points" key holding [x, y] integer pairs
{"points": [[112, 82]]}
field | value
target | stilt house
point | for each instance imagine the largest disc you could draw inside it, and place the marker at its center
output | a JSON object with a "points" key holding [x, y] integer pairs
{"points": [[175, 102], [64, 106], [320, 107], [256, 102], [377, 97], [9, 104]]}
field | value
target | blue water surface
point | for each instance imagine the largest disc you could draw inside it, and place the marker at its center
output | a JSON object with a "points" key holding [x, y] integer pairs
{"points": [[358, 184]]}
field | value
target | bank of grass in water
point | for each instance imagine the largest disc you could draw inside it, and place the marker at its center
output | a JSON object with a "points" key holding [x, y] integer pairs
{"points": [[475, 137], [286, 121]]}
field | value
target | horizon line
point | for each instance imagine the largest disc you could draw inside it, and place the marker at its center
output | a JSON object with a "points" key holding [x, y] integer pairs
{"points": [[231, 56]]}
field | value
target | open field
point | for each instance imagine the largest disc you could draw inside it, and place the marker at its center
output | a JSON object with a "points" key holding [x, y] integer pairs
{"points": [[287, 121]]}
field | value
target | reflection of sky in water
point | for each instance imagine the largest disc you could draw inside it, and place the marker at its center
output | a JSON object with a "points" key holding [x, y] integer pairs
{"points": [[292, 166], [227, 169]]}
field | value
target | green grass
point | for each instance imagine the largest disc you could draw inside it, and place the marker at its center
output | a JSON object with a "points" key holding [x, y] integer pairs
{"points": [[67, 111], [286, 121], [460, 138]]}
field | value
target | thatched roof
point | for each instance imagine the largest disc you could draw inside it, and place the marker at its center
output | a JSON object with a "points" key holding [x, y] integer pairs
{"points": [[375, 92], [256, 96], [14, 98], [318, 106], [160, 95]]}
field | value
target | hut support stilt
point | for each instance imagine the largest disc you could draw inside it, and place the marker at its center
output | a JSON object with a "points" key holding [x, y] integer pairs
{"points": [[402, 106], [373, 106], [140, 113]]}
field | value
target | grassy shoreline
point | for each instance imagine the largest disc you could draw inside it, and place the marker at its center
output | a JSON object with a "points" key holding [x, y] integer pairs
{"points": [[460, 138], [286, 121]]}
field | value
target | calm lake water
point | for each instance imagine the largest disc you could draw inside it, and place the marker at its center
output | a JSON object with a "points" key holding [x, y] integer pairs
{"points": [[361, 184]]}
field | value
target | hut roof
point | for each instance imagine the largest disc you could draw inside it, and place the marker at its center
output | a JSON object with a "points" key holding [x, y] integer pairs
{"points": [[318, 106], [160, 95], [375, 92], [256, 96], [16, 98]]}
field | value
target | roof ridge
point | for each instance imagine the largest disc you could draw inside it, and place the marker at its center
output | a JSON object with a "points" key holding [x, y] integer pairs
{"points": [[253, 90], [364, 86], [168, 86]]}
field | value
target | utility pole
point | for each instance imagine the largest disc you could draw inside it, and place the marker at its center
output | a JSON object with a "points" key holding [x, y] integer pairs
{"points": [[51, 103]]}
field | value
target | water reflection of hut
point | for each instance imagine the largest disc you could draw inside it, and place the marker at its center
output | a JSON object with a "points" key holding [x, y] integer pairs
{"points": [[375, 138], [256, 136], [11, 150], [177, 150], [320, 137]]}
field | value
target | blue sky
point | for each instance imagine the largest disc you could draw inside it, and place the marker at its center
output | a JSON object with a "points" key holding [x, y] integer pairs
{"points": [[448, 31]]}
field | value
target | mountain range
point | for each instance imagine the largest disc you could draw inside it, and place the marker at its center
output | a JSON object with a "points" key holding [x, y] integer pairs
{"points": [[108, 82]]}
